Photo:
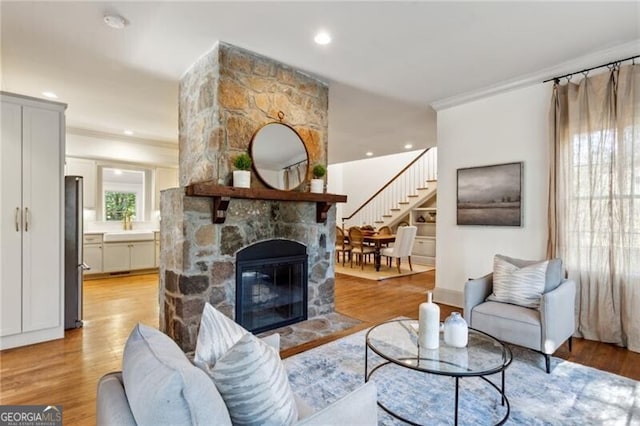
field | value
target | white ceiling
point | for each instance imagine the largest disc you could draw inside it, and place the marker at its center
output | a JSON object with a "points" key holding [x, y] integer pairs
{"points": [[387, 63]]}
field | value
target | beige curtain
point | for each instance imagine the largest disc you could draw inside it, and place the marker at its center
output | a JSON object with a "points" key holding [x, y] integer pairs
{"points": [[594, 200], [294, 175]]}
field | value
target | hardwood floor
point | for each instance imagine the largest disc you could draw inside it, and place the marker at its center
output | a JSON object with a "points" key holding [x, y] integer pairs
{"points": [[66, 371]]}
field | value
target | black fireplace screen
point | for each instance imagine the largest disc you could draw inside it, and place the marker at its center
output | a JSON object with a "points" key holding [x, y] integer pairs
{"points": [[271, 285]]}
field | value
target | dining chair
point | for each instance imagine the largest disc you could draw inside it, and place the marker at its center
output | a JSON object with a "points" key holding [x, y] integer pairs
{"points": [[342, 246], [385, 230], [405, 237], [358, 247]]}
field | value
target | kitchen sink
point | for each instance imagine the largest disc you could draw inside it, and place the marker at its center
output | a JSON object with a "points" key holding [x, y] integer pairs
{"points": [[128, 236]]}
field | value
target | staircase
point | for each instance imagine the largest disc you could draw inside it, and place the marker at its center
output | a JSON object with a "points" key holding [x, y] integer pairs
{"points": [[410, 188]]}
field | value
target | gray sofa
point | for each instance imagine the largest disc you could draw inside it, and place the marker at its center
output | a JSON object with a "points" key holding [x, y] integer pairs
{"points": [[543, 329], [164, 387]]}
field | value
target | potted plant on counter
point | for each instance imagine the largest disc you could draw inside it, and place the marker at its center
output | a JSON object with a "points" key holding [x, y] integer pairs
{"points": [[242, 174], [317, 183]]}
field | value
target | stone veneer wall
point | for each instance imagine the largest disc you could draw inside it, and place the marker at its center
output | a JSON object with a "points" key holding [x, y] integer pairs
{"points": [[230, 93], [224, 98]]}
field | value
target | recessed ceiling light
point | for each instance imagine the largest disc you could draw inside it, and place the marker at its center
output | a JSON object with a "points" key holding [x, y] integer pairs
{"points": [[368, 153], [408, 146], [322, 38], [128, 132], [115, 21], [50, 95], [117, 171]]}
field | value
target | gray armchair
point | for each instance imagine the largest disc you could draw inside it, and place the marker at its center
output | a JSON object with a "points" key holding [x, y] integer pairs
{"points": [[543, 329]]}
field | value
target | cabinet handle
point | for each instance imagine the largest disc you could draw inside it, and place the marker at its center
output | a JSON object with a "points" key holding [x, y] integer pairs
{"points": [[26, 219], [17, 219]]}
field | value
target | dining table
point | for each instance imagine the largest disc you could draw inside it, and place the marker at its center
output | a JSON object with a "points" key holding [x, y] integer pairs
{"points": [[378, 240]]}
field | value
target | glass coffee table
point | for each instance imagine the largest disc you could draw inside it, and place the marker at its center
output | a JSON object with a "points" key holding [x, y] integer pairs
{"points": [[397, 343]]}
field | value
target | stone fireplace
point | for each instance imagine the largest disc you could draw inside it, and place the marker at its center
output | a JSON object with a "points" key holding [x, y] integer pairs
{"points": [[225, 97], [271, 285]]}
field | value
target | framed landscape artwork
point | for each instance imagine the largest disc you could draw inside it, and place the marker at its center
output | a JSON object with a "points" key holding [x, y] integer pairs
{"points": [[490, 195]]}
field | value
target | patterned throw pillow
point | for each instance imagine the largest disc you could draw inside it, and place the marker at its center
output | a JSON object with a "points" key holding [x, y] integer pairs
{"points": [[519, 286], [216, 336], [254, 385], [555, 271]]}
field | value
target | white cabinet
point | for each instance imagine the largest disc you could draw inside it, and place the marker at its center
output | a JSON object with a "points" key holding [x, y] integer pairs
{"points": [[143, 254], [116, 257], [165, 178], [424, 246], [92, 253], [86, 169], [31, 219], [128, 256]]}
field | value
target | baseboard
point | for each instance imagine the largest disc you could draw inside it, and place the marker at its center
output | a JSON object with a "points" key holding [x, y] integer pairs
{"points": [[448, 297], [102, 275], [31, 337], [423, 260]]}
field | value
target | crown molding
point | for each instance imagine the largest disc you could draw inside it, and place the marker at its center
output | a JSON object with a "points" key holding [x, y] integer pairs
{"points": [[78, 131], [608, 55]]}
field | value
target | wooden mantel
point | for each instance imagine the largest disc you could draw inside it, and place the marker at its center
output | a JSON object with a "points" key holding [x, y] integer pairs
{"points": [[222, 194]]}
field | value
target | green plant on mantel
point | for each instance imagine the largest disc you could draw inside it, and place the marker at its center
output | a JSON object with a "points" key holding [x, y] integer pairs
{"points": [[319, 171], [242, 162]]}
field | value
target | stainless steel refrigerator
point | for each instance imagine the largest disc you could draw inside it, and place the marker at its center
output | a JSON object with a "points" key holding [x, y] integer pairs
{"points": [[73, 262]]}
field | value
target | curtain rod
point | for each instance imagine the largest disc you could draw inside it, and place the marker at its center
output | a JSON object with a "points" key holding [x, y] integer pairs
{"points": [[557, 79], [294, 164]]}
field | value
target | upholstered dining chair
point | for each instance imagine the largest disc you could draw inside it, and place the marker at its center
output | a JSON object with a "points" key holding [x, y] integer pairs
{"points": [[342, 246], [358, 247], [405, 237]]}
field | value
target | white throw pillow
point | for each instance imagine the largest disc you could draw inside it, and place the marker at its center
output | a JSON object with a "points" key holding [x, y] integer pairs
{"points": [[519, 286], [217, 334], [254, 385], [163, 387]]}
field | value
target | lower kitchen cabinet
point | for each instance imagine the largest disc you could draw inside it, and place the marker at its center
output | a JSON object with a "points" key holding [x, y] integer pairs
{"points": [[142, 255], [92, 253], [93, 258], [128, 256]]}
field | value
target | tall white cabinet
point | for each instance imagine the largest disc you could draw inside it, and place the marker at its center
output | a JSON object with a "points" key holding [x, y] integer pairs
{"points": [[31, 220]]}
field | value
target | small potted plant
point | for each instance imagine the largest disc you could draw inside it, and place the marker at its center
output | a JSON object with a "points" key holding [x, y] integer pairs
{"points": [[242, 174], [317, 183]]}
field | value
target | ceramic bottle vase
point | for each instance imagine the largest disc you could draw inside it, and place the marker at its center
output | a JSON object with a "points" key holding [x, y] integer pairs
{"points": [[429, 324], [456, 331]]}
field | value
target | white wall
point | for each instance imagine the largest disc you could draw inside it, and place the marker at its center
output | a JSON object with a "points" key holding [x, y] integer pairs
{"points": [[505, 128], [104, 147], [360, 179], [335, 186]]}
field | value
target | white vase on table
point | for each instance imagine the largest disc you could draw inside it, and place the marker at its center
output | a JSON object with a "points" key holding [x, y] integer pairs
{"points": [[456, 331], [429, 324]]}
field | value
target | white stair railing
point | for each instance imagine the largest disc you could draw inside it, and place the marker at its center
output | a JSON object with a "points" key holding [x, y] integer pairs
{"points": [[382, 207]]}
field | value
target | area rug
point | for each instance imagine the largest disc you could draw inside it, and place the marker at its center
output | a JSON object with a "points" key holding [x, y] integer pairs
{"points": [[571, 395], [384, 273]]}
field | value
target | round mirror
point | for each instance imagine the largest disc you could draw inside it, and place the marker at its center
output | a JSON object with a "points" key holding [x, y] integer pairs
{"points": [[279, 156]]}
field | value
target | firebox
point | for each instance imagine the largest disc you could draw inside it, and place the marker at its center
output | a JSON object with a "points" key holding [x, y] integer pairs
{"points": [[271, 285]]}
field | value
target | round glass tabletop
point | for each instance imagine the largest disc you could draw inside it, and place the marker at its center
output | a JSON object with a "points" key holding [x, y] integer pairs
{"points": [[397, 342]]}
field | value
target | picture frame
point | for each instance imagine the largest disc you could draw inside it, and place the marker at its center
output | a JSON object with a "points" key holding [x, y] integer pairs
{"points": [[490, 195]]}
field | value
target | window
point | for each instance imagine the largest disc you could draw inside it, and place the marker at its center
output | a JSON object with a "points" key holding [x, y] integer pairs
{"points": [[605, 196], [118, 205], [124, 191]]}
